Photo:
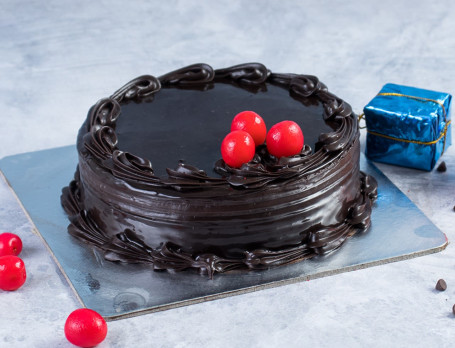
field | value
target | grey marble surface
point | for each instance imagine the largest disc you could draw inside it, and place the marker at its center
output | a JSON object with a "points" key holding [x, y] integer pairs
{"points": [[59, 57]]}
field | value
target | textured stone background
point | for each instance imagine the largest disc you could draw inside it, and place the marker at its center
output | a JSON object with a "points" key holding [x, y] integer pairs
{"points": [[59, 57]]}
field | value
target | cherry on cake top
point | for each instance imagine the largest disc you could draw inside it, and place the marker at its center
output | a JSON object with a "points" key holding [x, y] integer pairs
{"points": [[252, 123], [248, 128], [285, 139], [237, 148]]}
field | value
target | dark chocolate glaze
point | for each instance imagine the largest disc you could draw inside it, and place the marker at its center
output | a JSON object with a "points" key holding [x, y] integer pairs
{"points": [[201, 213]]}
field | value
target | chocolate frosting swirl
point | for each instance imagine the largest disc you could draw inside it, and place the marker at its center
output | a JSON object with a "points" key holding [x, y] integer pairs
{"points": [[248, 74], [195, 74], [142, 87], [269, 212]]}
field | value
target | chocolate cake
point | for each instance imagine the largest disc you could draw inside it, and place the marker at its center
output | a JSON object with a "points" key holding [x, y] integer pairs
{"points": [[151, 185]]}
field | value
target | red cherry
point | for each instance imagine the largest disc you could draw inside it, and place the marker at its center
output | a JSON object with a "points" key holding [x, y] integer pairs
{"points": [[285, 139], [12, 272], [85, 328], [237, 148], [252, 123], [10, 244]]}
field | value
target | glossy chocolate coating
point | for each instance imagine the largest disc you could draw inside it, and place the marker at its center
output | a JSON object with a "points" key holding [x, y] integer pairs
{"points": [[188, 124], [201, 213]]}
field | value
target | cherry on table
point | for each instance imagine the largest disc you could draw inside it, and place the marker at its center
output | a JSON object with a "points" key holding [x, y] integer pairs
{"points": [[10, 244], [85, 328], [12, 272]]}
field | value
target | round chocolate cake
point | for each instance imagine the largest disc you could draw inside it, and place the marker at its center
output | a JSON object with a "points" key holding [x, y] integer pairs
{"points": [[151, 185]]}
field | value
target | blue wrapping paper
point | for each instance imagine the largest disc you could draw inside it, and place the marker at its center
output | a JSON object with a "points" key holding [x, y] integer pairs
{"points": [[408, 126]]}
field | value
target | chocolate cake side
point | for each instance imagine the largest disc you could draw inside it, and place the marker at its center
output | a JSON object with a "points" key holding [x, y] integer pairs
{"points": [[267, 213]]}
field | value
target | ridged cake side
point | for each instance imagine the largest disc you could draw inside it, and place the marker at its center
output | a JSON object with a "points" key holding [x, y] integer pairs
{"points": [[267, 213]]}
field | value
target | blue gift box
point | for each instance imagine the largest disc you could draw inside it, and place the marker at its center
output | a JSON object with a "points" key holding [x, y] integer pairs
{"points": [[408, 126]]}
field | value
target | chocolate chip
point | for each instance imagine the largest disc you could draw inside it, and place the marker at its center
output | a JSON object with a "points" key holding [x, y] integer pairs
{"points": [[453, 309], [441, 285], [442, 167]]}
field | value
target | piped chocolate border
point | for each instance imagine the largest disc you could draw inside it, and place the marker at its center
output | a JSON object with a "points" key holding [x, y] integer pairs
{"points": [[97, 139]]}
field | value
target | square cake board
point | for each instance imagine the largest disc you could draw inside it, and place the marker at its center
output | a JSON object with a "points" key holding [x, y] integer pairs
{"points": [[399, 231]]}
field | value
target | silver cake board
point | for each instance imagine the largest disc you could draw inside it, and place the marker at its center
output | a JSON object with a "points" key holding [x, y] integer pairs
{"points": [[399, 231]]}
